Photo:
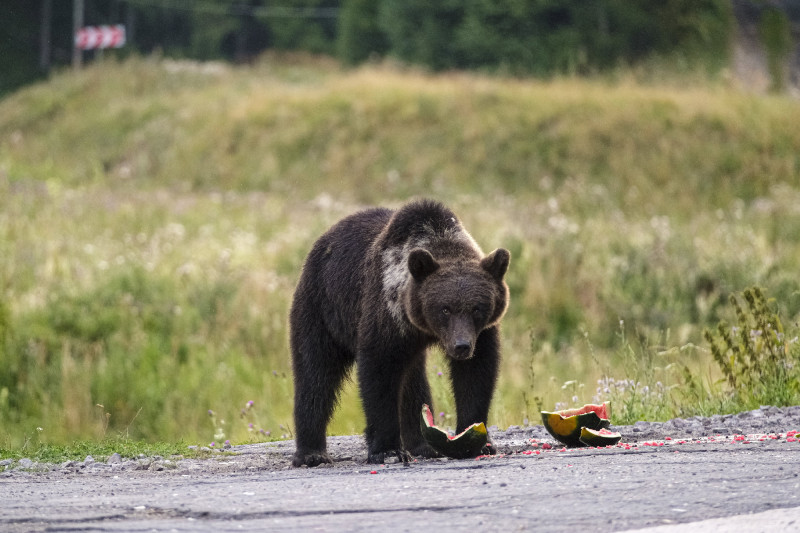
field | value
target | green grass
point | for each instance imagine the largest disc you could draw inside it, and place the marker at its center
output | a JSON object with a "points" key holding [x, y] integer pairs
{"points": [[100, 449], [154, 217]]}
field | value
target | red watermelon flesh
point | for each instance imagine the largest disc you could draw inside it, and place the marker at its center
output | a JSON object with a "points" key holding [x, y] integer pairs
{"points": [[602, 410]]}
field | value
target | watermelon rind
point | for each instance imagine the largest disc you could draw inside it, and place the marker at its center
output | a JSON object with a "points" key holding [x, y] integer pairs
{"points": [[468, 443], [565, 426], [603, 437]]}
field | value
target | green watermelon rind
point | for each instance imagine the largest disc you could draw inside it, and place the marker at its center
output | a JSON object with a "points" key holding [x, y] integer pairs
{"points": [[591, 437], [567, 429], [469, 443]]}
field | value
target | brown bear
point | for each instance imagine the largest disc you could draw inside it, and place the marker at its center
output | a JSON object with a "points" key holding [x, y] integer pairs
{"points": [[377, 290]]}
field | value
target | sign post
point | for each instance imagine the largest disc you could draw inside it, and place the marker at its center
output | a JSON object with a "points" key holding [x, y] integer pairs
{"points": [[77, 23]]}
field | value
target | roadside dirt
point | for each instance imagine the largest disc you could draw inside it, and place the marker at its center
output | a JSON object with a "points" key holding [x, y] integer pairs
{"points": [[768, 423], [699, 474]]}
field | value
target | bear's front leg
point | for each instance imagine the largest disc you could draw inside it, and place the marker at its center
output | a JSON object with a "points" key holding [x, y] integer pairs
{"points": [[416, 392], [380, 377], [474, 382]]}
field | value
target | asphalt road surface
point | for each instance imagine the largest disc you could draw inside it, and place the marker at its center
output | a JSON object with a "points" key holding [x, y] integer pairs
{"points": [[728, 483]]}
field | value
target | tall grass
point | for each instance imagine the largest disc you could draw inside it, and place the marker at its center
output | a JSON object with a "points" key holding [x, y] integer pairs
{"points": [[154, 217]]}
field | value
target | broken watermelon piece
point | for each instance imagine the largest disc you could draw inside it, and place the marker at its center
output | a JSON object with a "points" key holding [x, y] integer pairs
{"points": [[599, 437], [565, 426], [468, 443]]}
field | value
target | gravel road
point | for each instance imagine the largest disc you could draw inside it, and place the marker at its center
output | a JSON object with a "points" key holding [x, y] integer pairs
{"points": [[661, 474]]}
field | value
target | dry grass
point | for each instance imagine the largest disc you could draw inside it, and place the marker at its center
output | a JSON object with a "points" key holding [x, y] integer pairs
{"points": [[154, 217]]}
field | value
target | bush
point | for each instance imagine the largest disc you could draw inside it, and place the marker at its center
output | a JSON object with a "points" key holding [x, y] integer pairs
{"points": [[760, 363]]}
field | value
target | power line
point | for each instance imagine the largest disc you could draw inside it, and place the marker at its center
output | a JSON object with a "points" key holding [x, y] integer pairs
{"points": [[239, 9]]}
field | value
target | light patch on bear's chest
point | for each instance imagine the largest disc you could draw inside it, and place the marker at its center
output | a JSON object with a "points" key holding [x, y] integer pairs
{"points": [[396, 277]]}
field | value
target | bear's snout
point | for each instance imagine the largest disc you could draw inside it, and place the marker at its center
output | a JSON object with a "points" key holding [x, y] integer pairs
{"points": [[462, 349], [460, 339]]}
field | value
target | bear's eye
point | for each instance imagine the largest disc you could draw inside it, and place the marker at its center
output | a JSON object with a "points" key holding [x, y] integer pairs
{"points": [[446, 311]]}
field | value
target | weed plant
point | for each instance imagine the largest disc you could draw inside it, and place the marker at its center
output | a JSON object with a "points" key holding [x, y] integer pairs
{"points": [[759, 362], [154, 217]]}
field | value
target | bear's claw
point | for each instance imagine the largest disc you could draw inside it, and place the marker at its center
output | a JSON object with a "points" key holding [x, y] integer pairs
{"points": [[311, 459], [380, 457]]}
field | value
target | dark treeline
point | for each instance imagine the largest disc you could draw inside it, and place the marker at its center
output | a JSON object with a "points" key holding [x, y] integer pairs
{"points": [[525, 37]]}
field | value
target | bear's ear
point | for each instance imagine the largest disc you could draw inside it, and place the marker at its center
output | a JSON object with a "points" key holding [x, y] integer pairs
{"points": [[421, 264], [496, 263]]}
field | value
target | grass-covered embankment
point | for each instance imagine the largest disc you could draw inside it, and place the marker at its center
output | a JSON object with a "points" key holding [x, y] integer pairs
{"points": [[154, 217]]}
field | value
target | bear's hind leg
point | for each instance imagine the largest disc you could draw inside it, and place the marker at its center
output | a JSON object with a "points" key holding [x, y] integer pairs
{"points": [[319, 367]]}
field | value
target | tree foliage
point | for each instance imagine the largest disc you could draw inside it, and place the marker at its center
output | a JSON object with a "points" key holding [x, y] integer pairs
{"points": [[549, 36], [525, 37]]}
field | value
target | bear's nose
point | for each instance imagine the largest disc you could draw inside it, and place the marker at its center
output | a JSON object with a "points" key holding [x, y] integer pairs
{"points": [[462, 349]]}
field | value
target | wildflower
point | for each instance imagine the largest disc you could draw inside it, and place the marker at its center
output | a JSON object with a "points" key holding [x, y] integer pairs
{"points": [[250, 404]]}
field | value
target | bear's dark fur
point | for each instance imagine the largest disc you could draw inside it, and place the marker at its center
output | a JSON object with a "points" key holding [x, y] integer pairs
{"points": [[378, 289]]}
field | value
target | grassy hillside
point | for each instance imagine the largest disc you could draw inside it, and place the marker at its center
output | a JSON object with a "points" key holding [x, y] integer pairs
{"points": [[154, 217]]}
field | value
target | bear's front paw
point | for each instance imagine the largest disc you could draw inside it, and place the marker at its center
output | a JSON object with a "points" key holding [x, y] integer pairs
{"points": [[380, 457], [311, 458], [489, 449]]}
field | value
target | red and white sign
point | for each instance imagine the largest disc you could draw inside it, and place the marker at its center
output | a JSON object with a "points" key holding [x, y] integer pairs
{"points": [[92, 37]]}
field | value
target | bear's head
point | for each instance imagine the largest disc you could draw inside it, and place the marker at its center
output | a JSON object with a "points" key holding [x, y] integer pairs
{"points": [[454, 300]]}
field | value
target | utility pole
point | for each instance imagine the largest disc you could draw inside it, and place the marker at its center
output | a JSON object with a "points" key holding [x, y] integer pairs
{"points": [[77, 24], [44, 35]]}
